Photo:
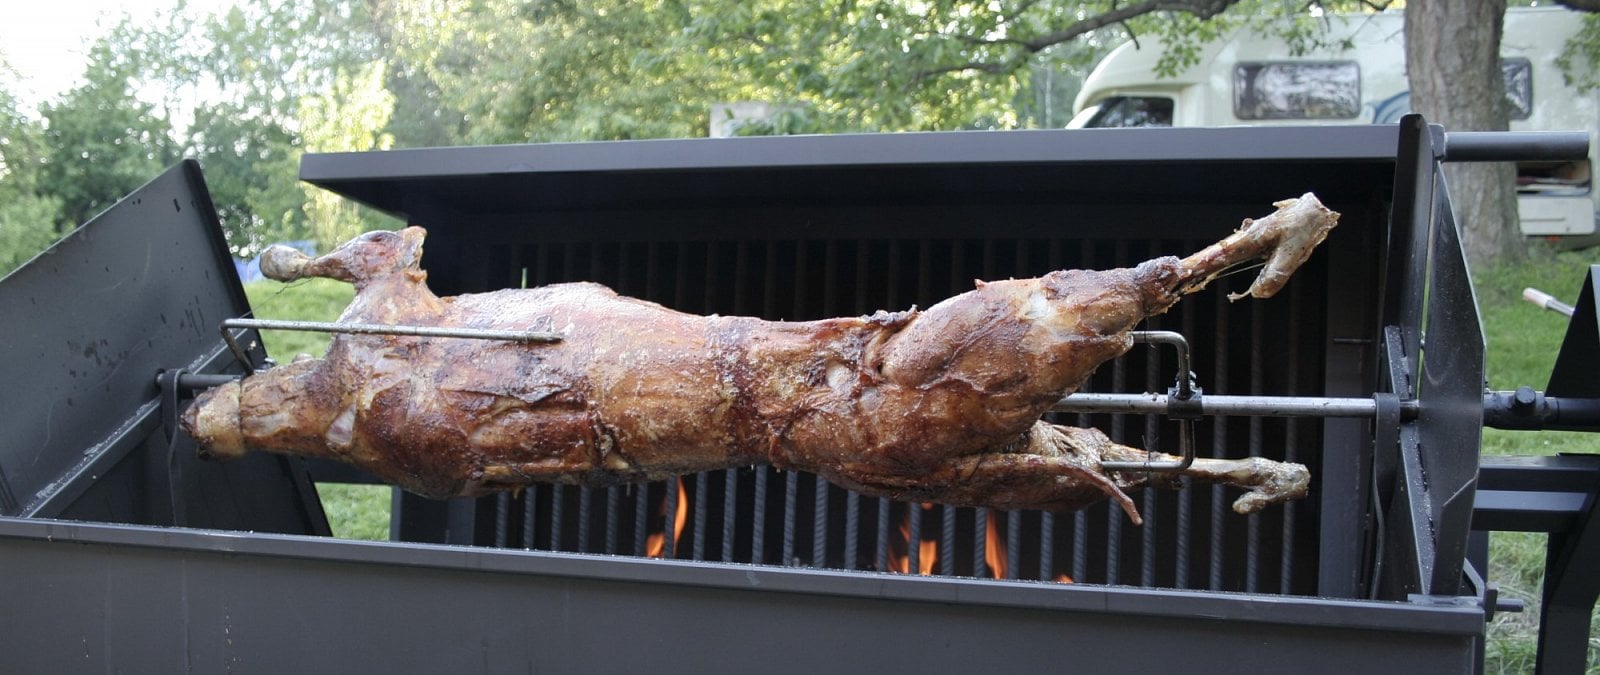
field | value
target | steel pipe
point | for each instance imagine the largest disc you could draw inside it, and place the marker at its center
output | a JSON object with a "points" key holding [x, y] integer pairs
{"points": [[228, 326], [1215, 405], [410, 331], [1515, 146], [1527, 409]]}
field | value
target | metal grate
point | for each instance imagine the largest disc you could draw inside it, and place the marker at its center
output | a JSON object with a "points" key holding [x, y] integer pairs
{"points": [[761, 515]]}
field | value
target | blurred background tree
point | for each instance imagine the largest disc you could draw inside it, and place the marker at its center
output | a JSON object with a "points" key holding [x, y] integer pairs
{"points": [[28, 217]]}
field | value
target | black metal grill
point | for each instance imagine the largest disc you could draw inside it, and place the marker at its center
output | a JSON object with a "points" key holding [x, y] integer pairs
{"points": [[1190, 538], [800, 228], [770, 236]]}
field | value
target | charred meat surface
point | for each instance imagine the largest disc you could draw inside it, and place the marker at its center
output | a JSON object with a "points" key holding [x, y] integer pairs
{"points": [[940, 405]]}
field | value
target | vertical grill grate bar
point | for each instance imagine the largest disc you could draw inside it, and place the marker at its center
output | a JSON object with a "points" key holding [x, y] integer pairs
{"points": [[1291, 440], [1219, 384], [1252, 579]]}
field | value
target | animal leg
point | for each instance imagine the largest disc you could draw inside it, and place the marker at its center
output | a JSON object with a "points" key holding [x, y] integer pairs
{"points": [[1265, 481], [1072, 458], [1051, 468]]}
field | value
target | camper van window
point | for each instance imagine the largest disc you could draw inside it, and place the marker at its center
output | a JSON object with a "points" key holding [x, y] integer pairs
{"points": [[1297, 90], [1131, 111], [1519, 86]]}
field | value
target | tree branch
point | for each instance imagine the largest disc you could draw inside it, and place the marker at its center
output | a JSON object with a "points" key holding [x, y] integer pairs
{"points": [[1203, 9], [1581, 5]]}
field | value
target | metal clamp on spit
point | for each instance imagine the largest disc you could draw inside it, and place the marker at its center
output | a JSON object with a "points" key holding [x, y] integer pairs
{"points": [[239, 352], [1183, 404]]}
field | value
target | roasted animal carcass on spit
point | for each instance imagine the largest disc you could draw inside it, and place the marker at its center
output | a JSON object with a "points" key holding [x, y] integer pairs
{"points": [[939, 405]]}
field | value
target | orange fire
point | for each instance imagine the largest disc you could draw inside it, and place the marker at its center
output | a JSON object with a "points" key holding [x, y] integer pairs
{"points": [[1064, 579], [927, 549], [657, 542], [898, 561], [994, 551]]}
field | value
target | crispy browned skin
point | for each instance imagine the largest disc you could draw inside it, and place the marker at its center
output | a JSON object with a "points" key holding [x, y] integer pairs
{"points": [[939, 405]]}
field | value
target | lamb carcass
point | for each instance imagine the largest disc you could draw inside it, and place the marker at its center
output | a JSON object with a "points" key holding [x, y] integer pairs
{"points": [[939, 405]]}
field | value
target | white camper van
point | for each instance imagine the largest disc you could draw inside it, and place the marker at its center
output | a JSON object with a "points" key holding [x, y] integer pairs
{"points": [[1252, 78]]}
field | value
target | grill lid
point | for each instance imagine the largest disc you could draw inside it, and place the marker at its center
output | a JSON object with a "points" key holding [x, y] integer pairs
{"points": [[90, 322]]}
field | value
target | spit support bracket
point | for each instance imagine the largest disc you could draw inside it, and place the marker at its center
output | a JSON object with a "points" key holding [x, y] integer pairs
{"points": [[1183, 405], [232, 340]]}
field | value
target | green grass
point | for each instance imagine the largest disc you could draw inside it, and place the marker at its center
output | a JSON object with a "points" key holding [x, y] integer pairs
{"points": [[1522, 341], [309, 300], [357, 511]]}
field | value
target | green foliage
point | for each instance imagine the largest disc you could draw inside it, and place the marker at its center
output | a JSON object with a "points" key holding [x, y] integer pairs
{"points": [[266, 56], [273, 76], [103, 142], [1184, 38], [21, 139], [278, 78], [559, 71], [250, 168], [348, 118], [269, 58], [27, 226], [28, 219], [616, 69], [1580, 60], [884, 66]]}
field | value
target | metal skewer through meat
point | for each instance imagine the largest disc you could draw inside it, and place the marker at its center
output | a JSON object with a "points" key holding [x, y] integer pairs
{"points": [[939, 405]]}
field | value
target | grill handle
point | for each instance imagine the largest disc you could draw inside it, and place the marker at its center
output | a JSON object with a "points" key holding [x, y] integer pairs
{"points": [[1514, 146]]}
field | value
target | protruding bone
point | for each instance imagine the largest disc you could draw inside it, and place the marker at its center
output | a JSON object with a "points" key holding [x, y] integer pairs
{"points": [[1286, 239], [366, 258], [1264, 481]]}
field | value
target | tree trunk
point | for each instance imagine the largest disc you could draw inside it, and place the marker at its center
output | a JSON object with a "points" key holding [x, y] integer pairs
{"points": [[1453, 64]]}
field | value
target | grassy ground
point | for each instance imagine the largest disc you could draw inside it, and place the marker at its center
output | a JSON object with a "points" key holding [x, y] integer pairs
{"points": [[1522, 344], [356, 511], [309, 300]]}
